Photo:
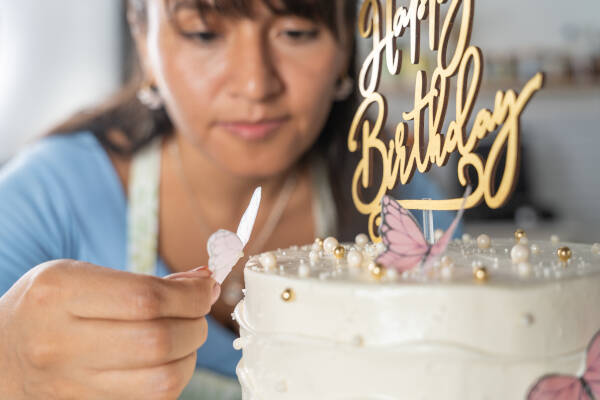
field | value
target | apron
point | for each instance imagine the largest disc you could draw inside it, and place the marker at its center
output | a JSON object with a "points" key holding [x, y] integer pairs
{"points": [[142, 244]]}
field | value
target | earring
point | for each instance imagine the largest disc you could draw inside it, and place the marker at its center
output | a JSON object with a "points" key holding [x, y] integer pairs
{"points": [[345, 86], [149, 96]]}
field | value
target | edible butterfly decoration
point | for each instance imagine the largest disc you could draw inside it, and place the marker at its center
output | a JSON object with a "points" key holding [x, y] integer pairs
{"points": [[225, 248], [564, 387], [405, 244]]}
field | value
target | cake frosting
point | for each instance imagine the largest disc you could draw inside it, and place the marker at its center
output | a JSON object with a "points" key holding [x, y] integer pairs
{"points": [[485, 322]]}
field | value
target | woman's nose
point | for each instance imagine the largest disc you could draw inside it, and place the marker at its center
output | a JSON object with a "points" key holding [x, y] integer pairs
{"points": [[253, 72]]}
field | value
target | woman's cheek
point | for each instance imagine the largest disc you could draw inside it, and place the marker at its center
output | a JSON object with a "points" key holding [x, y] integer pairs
{"points": [[315, 101]]}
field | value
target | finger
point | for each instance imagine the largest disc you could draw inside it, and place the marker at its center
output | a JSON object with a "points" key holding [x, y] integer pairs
{"points": [[103, 293], [108, 345], [162, 382]]}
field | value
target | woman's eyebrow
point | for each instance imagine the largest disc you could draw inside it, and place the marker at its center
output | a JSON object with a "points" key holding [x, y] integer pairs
{"points": [[203, 7]]}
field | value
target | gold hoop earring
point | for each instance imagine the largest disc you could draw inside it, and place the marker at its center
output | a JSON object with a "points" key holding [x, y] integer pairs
{"points": [[149, 96], [345, 87]]}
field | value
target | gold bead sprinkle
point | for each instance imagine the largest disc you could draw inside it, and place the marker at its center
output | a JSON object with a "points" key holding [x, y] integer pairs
{"points": [[288, 295], [339, 252], [520, 234], [564, 254], [377, 271], [319, 242], [481, 274]]}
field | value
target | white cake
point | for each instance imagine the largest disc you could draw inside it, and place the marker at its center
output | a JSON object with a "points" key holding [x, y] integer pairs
{"points": [[325, 330]]}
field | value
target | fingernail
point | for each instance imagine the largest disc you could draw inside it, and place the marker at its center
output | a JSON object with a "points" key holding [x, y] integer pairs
{"points": [[216, 292], [191, 275], [200, 269], [203, 273]]}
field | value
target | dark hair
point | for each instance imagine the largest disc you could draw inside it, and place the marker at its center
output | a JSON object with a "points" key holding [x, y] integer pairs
{"points": [[140, 125]]}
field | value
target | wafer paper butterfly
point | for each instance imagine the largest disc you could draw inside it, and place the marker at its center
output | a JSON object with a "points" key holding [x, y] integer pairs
{"points": [[225, 248], [405, 244], [564, 387]]}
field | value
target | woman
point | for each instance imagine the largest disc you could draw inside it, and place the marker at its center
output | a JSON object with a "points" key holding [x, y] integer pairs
{"points": [[234, 94]]}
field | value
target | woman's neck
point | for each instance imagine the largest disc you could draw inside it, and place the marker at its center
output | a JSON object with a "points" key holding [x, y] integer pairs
{"points": [[219, 193]]}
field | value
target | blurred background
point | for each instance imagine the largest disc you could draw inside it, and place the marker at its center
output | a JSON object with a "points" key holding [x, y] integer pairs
{"points": [[61, 56]]}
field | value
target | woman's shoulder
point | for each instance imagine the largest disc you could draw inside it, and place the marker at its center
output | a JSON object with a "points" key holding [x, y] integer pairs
{"points": [[55, 151], [59, 162], [63, 174]]}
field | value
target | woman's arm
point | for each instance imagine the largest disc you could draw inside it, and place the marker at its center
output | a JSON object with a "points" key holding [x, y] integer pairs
{"points": [[70, 329]]}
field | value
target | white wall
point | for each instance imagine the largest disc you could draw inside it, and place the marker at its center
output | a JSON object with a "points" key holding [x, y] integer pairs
{"points": [[56, 56], [572, 26]]}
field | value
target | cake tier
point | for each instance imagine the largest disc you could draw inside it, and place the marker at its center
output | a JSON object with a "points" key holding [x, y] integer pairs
{"points": [[344, 334]]}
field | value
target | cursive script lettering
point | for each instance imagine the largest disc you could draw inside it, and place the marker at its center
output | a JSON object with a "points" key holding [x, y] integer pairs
{"points": [[400, 160]]}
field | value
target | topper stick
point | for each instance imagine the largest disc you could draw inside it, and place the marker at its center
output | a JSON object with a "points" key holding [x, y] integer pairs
{"points": [[428, 231]]}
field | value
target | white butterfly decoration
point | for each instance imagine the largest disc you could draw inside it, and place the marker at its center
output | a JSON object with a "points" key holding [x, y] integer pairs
{"points": [[225, 248]]}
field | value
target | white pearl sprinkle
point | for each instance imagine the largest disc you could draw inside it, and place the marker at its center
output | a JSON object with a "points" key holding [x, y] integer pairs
{"points": [[330, 244], [519, 253], [313, 257], [596, 249], [554, 239], [547, 272], [303, 271], [535, 249], [446, 261], [391, 274], [361, 240], [354, 258], [484, 241], [268, 261], [437, 235], [558, 273], [466, 238], [525, 269], [239, 343], [447, 272]]}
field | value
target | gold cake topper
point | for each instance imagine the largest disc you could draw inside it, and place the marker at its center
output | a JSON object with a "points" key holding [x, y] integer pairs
{"points": [[398, 159]]}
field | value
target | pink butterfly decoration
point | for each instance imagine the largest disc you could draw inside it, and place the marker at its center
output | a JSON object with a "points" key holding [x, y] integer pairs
{"points": [[563, 387], [225, 248], [406, 246]]}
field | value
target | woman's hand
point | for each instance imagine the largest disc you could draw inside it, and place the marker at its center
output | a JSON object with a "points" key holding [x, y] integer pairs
{"points": [[72, 330]]}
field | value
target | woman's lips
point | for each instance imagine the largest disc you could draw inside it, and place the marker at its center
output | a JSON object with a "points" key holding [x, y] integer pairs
{"points": [[258, 130]]}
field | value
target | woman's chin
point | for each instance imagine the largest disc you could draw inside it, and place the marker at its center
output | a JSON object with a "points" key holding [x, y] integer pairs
{"points": [[260, 166]]}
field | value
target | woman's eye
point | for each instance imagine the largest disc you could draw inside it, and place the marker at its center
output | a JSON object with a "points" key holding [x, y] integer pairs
{"points": [[202, 36], [301, 34]]}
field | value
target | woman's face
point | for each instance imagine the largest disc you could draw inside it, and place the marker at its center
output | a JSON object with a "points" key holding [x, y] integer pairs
{"points": [[251, 94]]}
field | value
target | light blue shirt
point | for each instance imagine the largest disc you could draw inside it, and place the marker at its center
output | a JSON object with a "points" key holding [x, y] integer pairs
{"points": [[62, 198]]}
